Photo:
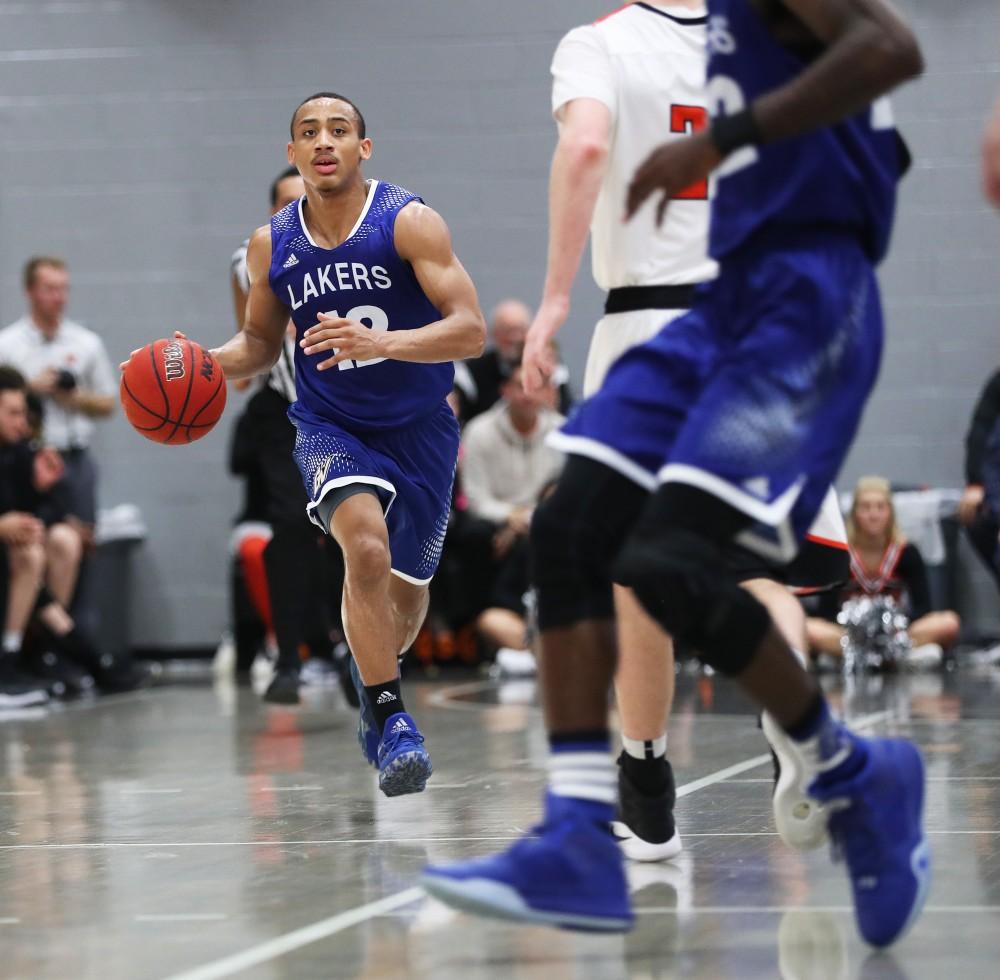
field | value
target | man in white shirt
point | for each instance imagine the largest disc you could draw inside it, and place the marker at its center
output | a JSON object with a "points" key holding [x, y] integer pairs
{"points": [[67, 366], [505, 459]]}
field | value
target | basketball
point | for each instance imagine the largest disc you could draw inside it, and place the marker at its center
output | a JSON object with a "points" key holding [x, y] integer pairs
{"points": [[173, 391]]}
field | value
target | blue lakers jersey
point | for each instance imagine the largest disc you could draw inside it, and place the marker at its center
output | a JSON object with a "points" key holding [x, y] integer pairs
{"points": [[362, 279], [843, 176]]}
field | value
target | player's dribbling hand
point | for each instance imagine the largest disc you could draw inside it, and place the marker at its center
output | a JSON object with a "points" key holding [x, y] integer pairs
{"points": [[177, 336], [669, 169], [538, 360], [348, 339]]}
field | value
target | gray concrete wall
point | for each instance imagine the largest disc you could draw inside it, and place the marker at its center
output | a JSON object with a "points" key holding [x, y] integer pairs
{"points": [[137, 139]]}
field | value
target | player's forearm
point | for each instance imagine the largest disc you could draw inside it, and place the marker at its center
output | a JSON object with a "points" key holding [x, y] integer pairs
{"points": [[92, 404], [457, 336], [578, 167], [867, 60], [247, 355]]}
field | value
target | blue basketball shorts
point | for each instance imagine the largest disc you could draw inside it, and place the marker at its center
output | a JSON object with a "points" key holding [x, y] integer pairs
{"points": [[411, 469], [756, 394]]}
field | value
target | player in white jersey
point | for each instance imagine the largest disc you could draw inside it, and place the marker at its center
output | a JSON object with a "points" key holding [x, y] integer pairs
{"points": [[621, 87]]}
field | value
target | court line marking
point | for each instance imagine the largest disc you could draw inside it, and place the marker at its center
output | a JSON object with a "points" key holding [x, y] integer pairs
{"points": [[273, 948], [181, 917], [9, 921], [930, 779], [773, 909], [496, 839], [160, 845], [444, 698], [142, 791], [286, 789]]}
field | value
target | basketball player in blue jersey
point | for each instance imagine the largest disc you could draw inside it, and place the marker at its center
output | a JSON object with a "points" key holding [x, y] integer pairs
{"points": [[381, 307], [744, 410]]}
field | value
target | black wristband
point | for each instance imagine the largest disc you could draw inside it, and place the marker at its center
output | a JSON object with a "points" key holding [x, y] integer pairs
{"points": [[729, 133]]}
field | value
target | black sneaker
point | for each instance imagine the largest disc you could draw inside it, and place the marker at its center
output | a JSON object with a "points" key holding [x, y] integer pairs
{"points": [[64, 678], [18, 689], [118, 675], [284, 687], [645, 826]]}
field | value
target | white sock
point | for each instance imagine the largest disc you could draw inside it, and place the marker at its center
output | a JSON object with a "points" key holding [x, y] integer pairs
{"points": [[588, 775], [642, 749], [12, 640]]}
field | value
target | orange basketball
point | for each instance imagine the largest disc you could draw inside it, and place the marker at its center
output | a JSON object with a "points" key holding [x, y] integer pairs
{"points": [[173, 391]]}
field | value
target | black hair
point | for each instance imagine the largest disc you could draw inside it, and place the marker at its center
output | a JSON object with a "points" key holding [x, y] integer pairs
{"points": [[11, 379], [276, 183], [329, 95]]}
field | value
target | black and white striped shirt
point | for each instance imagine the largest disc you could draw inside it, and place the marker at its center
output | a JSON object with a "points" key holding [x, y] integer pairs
{"points": [[281, 378]]}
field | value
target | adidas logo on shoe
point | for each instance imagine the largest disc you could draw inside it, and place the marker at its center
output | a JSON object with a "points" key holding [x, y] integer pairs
{"points": [[402, 725], [385, 697]]}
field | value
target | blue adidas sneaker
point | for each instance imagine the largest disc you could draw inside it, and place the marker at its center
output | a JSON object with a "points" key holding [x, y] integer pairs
{"points": [[367, 726], [403, 763], [568, 872], [876, 825]]}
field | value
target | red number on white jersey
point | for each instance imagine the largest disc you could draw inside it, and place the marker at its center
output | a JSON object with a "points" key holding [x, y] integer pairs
{"points": [[690, 119]]}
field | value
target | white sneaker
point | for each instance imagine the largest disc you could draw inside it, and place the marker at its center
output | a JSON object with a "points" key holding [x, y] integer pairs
{"points": [[516, 663], [798, 818], [318, 672], [927, 656], [224, 661]]}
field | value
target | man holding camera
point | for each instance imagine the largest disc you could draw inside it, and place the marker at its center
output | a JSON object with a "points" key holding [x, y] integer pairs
{"points": [[68, 368]]}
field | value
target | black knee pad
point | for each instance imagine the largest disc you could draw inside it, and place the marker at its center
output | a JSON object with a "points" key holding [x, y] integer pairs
{"points": [[575, 535], [679, 577]]}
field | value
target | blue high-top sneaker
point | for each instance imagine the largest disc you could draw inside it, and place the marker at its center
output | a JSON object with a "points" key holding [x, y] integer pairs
{"points": [[403, 763], [876, 812], [367, 726], [567, 872]]}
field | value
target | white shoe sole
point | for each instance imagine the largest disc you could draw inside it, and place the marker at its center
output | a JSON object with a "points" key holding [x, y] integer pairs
{"points": [[637, 849], [27, 699], [482, 896], [800, 821]]}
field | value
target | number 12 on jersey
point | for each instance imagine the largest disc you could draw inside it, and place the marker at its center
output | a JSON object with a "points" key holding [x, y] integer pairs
{"points": [[371, 316], [690, 119]]}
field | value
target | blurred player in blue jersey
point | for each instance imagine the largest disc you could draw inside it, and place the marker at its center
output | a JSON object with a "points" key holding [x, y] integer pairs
{"points": [[381, 307], [741, 412]]}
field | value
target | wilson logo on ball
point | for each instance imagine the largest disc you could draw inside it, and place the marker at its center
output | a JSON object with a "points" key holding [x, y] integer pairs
{"points": [[173, 362], [173, 413]]}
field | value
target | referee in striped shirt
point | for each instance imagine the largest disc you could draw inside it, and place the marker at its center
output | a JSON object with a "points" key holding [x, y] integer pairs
{"points": [[293, 559]]}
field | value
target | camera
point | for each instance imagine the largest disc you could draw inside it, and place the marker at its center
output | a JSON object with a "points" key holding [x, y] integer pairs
{"points": [[65, 380]]}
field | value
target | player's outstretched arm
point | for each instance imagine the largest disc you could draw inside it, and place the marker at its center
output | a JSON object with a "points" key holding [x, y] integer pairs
{"points": [[422, 239], [869, 51], [257, 346], [578, 167]]}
